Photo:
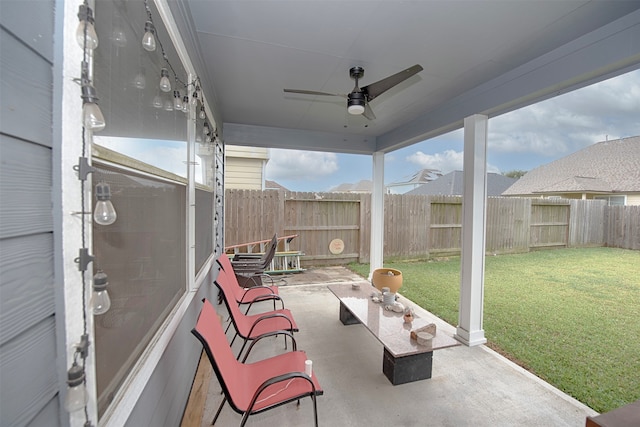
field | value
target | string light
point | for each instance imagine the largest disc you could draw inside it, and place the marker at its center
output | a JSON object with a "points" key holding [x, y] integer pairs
{"points": [[140, 81], [92, 115], [185, 104], [157, 102], [100, 300], [149, 38], [177, 101], [86, 33], [202, 115], [104, 213], [165, 84], [76, 398]]}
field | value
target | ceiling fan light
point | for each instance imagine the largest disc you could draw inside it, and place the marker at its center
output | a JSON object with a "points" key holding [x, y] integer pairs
{"points": [[355, 109]]}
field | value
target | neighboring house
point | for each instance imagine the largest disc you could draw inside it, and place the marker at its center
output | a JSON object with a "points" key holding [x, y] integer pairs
{"points": [[362, 186], [245, 167], [451, 185], [272, 185], [607, 170], [413, 182]]}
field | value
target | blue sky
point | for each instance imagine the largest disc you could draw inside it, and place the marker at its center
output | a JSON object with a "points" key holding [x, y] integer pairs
{"points": [[520, 140]]}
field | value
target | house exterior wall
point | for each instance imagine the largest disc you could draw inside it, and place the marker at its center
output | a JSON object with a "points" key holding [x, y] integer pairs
{"points": [[40, 286], [245, 167], [28, 349]]}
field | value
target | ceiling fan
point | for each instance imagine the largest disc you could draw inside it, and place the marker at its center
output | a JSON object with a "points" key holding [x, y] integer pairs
{"points": [[359, 98]]}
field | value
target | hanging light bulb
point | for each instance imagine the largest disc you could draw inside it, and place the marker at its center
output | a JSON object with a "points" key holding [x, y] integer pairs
{"points": [[168, 105], [202, 115], [140, 81], [92, 115], [194, 99], [157, 102], [149, 38], [177, 101], [85, 27], [165, 84], [185, 104], [205, 129], [104, 213], [119, 37], [199, 92], [76, 393], [100, 300]]}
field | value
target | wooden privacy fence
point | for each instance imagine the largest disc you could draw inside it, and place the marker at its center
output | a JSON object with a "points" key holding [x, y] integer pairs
{"points": [[421, 226]]}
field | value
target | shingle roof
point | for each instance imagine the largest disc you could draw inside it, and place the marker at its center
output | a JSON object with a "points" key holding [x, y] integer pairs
{"points": [[451, 185], [604, 167]]}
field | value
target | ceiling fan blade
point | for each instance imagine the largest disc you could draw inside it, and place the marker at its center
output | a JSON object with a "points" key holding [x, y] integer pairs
{"points": [[379, 87], [368, 112], [313, 92]]}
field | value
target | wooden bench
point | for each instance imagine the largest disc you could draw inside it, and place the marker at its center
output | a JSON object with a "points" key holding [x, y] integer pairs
{"points": [[403, 360]]}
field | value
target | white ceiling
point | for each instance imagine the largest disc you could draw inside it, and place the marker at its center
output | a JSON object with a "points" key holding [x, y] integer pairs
{"points": [[478, 56]]}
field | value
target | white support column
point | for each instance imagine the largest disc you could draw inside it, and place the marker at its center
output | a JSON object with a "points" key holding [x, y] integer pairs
{"points": [[474, 198], [376, 252]]}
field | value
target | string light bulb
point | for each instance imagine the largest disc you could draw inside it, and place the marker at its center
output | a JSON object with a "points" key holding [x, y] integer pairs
{"points": [[140, 81], [104, 213], [168, 105], [149, 38], [86, 28], [185, 104], [165, 83], [202, 115], [76, 397], [157, 102], [177, 100], [194, 98], [91, 113], [100, 300], [119, 37]]}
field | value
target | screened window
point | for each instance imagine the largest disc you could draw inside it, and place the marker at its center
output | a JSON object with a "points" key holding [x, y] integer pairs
{"points": [[142, 253]]}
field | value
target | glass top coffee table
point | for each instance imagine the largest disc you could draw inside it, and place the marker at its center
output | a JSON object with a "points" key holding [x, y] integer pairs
{"points": [[404, 360]]}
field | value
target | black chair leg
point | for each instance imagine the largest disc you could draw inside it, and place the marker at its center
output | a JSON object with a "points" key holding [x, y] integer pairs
{"points": [[220, 410]]}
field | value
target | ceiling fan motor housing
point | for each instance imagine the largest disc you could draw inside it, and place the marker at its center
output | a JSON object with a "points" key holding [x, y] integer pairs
{"points": [[356, 103]]}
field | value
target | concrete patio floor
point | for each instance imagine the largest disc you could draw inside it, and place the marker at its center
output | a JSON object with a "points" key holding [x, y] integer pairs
{"points": [[469, 387]]}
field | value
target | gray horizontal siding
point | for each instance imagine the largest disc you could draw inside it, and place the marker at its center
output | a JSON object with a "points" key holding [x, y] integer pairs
{"points": [[29, 386], [26, 82], [28, 374], [26, 288], [30, 22], [25, 188]]}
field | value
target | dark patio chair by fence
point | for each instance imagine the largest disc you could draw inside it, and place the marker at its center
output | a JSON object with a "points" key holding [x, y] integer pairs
{"points": [[244, 294], [252, 388], [250, 268], [251, 326]]}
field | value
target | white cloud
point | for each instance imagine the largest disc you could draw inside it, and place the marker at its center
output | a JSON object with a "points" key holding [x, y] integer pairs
{"points": [[570, 122], [445, 162], [293, 164]]}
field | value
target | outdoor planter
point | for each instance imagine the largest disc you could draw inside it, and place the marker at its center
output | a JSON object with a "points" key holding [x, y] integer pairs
{"points": [[387, 278]]}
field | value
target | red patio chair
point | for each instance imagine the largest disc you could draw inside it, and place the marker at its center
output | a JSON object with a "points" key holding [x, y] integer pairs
{"points": [[251, 326], [245, 295], [251, 388]]}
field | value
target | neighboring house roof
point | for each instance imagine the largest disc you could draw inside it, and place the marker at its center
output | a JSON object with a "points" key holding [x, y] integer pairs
{"points": [[272, 185], [604, 167], [421, 177], [362, 186], [451, 185]]}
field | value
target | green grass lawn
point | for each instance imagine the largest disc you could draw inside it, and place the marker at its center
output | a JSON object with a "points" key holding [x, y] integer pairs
{"points": [[571, 316]]}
